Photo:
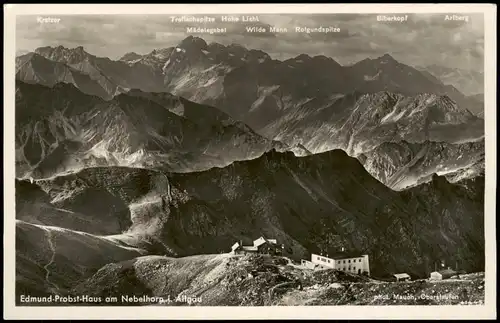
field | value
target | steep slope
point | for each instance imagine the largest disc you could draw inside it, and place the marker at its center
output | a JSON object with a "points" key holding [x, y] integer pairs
{"points": [[213, 117], [190, 110], [387, 74], [319, 202], [61, 129], [51, 260], [114, 76], [402, 164], [33, 68], [157, 61], [451, 200], [33, 205], [358, 123]]}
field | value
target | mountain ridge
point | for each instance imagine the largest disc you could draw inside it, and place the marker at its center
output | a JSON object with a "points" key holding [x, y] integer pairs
{"points": [[73, 129], [365, 122], [184, 210], [232, 55]]}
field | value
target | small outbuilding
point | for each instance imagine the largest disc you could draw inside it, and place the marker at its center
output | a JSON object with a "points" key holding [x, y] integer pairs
{"points": [[402, 277], [443, 274]]}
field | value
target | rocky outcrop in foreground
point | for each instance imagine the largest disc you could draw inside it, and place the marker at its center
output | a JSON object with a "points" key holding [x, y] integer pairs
{"points": [[225, 280]]}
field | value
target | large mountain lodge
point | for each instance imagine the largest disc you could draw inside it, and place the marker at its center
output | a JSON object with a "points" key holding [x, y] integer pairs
{"points": [[354, 263]]}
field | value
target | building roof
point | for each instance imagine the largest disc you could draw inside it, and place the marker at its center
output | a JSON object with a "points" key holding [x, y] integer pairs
{"points": [[447, 272], [402, 275], [259, 241], [344, 255], [235, 246], [262, 240]]}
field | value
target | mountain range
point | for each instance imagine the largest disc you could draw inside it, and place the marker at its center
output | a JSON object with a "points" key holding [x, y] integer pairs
{"points": [[187, 149], [61, 129], [198, 71], [310, 104], [295, 202], [403, 164]]}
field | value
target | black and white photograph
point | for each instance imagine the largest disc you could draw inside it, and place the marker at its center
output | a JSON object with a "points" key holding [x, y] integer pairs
{"points": [[247, 159]]}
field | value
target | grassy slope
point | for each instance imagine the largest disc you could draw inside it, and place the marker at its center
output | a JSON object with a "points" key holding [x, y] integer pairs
{"points": [[52, 259]]}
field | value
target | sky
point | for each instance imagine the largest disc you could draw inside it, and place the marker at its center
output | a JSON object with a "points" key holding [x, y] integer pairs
{"points": [[421, 40]]}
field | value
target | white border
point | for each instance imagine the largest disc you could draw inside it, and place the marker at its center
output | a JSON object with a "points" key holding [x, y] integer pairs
{"points": [[318, 312]]}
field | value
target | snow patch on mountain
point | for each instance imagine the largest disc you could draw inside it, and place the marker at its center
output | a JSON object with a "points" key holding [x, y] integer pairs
{"points": [[393, 116], [210, 81], [165, 66], [264, 92], [373, 77]]}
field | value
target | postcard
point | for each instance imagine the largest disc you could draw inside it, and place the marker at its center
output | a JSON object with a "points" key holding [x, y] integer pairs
{"points": [[250, 161]]}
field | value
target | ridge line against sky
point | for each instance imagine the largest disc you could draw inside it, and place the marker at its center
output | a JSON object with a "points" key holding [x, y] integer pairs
{"points": [[159, 49], [424, 39]]}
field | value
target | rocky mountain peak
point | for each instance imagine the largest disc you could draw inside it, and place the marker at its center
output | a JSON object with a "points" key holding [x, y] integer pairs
{"points": [[302, 57], [216, 47], [130, 56], [322, 60], [63, 54], [439, 181], [192, 42], [387, 58]]}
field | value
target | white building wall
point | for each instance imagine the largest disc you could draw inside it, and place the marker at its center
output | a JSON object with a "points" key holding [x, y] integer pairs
{"points": [[322, 261], [436, 276], [366, 264], [356, 265]]}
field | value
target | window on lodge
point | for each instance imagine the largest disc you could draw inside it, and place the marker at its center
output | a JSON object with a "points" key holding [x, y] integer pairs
{"points": [[328, 260], [359, 260], [344, 261], [338, 262], [349, 261]]}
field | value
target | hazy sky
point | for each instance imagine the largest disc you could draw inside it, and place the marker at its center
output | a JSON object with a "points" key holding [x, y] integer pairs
{"points": [[423, 39]]}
